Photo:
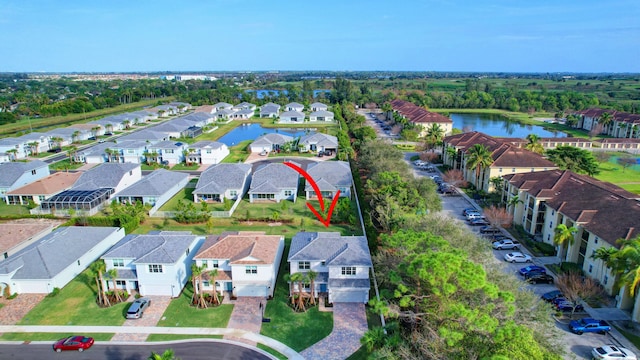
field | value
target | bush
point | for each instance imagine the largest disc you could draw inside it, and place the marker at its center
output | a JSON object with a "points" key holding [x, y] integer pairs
{"points": [[13, 296], [54, 293], [545, 249]]}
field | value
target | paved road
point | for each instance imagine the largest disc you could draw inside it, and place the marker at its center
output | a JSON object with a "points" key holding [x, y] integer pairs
{"points": [[200, 350]]}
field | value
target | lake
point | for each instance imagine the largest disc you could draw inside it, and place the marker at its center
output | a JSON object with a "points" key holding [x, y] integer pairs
{"points": [[252, 131], [498, 126], [262, 93]]}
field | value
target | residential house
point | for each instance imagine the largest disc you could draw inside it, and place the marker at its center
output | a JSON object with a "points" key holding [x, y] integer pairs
{"points": [[269, 142], [55, 259], [169, 152], [157, 263], [14, 148], [17, 174], [222, 106], [621, 125], [67, 135], [109, 124], [207, 152], [224, 114], [291, 116], [318, 142], [174, 128], [245, 106], [142, 116], [243, 114], [420, 116], [552, 143], [247, 262], [274, 182], [148, 135], [116, 176], [154, 189], [42, 189], [294, 106], [133, 151], [209, 109], [35, 143], [182, 106], [318, 106], [96, 154], [321, 116], [631, 145], [342, 264], [550, 198], [270, 110], [223, 181], [330, 177], [164, 111], [507, 158]]}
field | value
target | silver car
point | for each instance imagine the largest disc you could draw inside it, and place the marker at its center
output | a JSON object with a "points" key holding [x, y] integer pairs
{"points": [[137, 308]]}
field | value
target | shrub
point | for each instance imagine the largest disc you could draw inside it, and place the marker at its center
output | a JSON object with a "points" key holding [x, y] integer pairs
{"points": [[569, 267], [54, 293], [13, 296]]}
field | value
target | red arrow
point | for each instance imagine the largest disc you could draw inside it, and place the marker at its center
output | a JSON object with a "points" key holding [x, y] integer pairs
{"points": [[315, 187]]}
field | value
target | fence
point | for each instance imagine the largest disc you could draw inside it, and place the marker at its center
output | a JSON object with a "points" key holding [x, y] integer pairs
{"points": [[215, 214]]}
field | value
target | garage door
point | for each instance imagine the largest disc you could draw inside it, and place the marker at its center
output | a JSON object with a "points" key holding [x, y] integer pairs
{"points": [[348, 296], [249, 290]]}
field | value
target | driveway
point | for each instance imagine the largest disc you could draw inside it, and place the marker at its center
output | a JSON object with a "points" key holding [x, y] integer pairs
{"points": [[349, 325], [151, 316], [246, 315]]}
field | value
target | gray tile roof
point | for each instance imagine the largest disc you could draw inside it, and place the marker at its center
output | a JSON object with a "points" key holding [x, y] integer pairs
{"points": [[318, 105], [269, 109], [48, 256], [33, 136], [331, 247], [155, 184], [219, 178], [270, 139], [292, 114], [320, 140], [144, 135], [222, 105], [107, 175], [164, 247], [10, 172], [273, 177], [98, 149], [294, 105], [329, 174], [204, 144], [324, 113]]}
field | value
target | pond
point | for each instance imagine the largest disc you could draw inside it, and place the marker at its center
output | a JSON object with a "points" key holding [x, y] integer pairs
{"points": [[263, 93], [252, 131], [498, 126]]}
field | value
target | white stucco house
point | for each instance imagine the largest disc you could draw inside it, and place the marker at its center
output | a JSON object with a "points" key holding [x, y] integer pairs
{"points": [[157, 263], [342, 264], [269, 142], [274, 182], [154, 189], [318, 106], [294, 106], [331, 177], [291, 117], [207, 152], [247, 262], [270, 110], [55, 259], [318, 142], [223, 181], [321, 116]]}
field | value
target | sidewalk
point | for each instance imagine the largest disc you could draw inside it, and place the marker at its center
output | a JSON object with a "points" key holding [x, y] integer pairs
{"points": [[236, 333]]}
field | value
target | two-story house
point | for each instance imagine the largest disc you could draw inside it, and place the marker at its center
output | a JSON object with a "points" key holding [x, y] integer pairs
{"points": [[342, 264], [207, 152], [247, 262], [17, 174]]}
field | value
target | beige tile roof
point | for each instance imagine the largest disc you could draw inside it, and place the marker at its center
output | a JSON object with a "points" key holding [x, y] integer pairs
{"points": [[243, 247], [14, 232], [49, 185]]}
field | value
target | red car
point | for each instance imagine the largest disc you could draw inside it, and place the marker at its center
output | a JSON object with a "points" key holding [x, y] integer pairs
{"points": [[79, 343]]}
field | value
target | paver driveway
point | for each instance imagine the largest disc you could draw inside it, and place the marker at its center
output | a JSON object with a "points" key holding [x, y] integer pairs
{"points": [[150, 317]]}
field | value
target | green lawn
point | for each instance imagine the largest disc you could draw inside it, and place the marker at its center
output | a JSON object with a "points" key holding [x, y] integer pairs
{"points": [[271, 351], [296, 330], [51, 336], [64, 165], [6, 209], [628, 179], [75, 305], [181, 314], [185, 167], [238, 153], [172, 337], [186, 195]]}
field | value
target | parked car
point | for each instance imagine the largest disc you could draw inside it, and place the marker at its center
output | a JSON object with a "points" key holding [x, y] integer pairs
{"points": [[532, 268], [551, 295], [474, 215], [589, 325], [610, 352], [515, 257], [490, 230], [137, 308], [419, 163], [478, 222], [506, 244], [468, 210], [537, 278], [567, 306], [76, 342]]}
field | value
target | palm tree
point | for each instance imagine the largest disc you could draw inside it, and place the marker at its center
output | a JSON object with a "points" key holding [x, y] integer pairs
{"points": [[605, 119], [289, 279], [565, 236], [94, 131], [196, 279], [452, 153], [604, 254], [57, 141], [312, 275], [513, 202], [626, 262], [479, 157], [435, 134], [113, 274], [72, 151], [534, 144], [98, 268], [74, 136], [13, 154], [299, 278], [33, 146], [126, 124], [572, 120], [166, 355], [213, 274]]}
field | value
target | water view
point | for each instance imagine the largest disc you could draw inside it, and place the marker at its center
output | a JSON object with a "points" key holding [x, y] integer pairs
{"points": [[263, 93], [498, 126], [252, 131]]}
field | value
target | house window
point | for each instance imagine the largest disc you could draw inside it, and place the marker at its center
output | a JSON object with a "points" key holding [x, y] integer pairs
{"points": [[233, 193], [251, 269], [121, 283], [205, 283], [153, 268], [595, 240], [306, 286], [348, 270], [41, 198], [168, 151], [499, 169], [205, 264], [304, 265], [33, 172], [187, 251], [208, 151], [78, 262], [214, 263], [118, 262], [323, 263], [606, 279], [513, 170], [288, 193], [590, 268]]}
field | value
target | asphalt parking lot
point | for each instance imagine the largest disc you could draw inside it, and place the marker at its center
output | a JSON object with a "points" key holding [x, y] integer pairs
{"points": [[576, 346]]}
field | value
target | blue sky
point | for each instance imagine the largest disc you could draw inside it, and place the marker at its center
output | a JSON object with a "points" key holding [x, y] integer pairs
{"points": [[354, 35]]}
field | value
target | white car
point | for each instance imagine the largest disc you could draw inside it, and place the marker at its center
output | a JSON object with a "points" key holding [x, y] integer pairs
{"points": [[612, 352], [517, 257], [419, 163]]}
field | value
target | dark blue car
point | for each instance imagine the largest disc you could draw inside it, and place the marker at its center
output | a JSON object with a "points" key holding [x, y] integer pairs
{"points": [[532, 269]]}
